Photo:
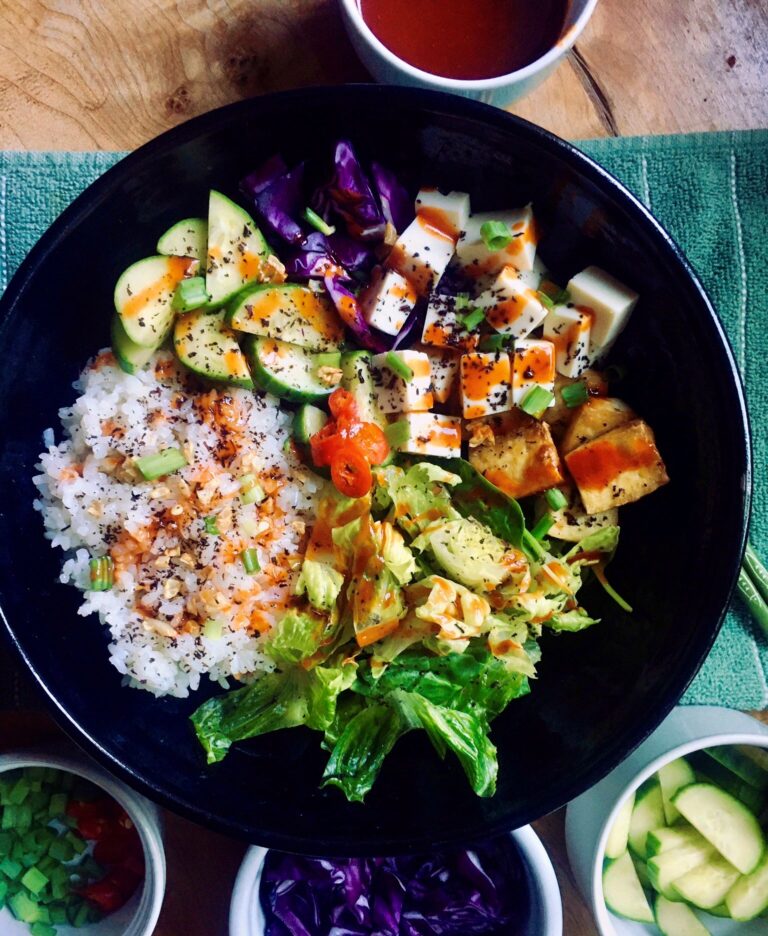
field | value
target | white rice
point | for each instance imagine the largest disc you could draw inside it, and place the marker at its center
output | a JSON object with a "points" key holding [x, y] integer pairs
{"points": [[170, 575]]}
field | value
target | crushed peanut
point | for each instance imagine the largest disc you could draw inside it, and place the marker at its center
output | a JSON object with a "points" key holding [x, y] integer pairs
{"points": [[171, 588], [480, 435], [330, 376]]}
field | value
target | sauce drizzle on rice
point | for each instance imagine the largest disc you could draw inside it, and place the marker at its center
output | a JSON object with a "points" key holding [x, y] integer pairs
{"points": [[176, 542]]}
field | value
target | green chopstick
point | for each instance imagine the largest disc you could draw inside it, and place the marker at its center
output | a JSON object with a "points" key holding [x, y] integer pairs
{"points": [[753, 587]]}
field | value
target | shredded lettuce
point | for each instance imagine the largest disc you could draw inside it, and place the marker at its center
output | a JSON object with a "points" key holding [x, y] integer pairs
{"points": [[321, 583]]}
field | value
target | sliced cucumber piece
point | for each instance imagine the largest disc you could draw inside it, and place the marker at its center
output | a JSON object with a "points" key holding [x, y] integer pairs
{"points": [[187, 238], [720, 910], [743, 765], [677, 919], [669, 866], [712, 771], [673, 777], [663, 840], [357, 378], [144, 297], [748, 897], [618, 837], [307, 421], [642, 872], [707, 885], [647, 815], [725, 822], [130, 356], [623, 892], [291, 372], [207, 346], [288, 312], [236, 249]]}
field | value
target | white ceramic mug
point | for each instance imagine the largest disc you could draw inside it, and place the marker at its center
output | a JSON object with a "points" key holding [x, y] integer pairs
{"points": [[388, 68], [591, 816]]}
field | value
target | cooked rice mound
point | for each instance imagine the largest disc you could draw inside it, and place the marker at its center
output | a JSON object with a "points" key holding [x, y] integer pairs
{"points": [[172, 576]]}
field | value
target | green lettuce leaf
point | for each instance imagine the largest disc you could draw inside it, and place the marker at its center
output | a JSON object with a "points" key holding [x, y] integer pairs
{"points": [[467, 552], [419, 495], [299, 635], [320, 582], [572, 621], [603, 541]]}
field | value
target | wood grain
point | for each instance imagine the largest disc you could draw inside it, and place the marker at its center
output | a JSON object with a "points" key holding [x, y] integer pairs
{"points": [[106, 74]]}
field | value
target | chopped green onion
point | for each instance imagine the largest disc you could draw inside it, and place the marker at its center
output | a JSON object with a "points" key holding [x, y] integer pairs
{"points": [[166, 462], [494, 342], [397, 433], [190, 294], [751, 596], [461, 301], [574, 394], [34, 880], [102, 571], [472, 319], [212, 629], [545, 300], [561, 298], [532, 547], [496, 235], [250, 559], [398, 366], [609, 589], [251, 492], [543, 527], [313, 218], [211, 525], [19, 791], [536, 401], [10, 868], [556, 499]]}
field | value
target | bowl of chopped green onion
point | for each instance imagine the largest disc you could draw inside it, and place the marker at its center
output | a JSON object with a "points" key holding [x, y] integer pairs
{"points": [[77, 850]]}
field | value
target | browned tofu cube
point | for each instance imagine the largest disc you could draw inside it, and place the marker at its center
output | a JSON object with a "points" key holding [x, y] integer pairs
{"points": [[559, 414], [617, 467], [592, 419], [515, 452]]}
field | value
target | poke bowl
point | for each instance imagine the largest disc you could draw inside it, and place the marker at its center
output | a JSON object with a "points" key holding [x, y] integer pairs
{"points": [[529, 333]]}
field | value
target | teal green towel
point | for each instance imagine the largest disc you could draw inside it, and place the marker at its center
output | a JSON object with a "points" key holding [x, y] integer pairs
{"points": [[711, 192]]}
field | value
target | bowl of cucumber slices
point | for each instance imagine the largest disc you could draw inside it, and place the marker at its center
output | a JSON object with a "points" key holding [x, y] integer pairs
{"points": [[675, 840]]}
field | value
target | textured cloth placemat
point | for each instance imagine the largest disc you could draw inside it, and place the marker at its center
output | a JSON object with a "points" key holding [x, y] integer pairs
{"points": [[711, 192]]}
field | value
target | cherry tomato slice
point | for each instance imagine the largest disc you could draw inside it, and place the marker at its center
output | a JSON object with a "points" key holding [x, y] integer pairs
{"points": [[323, 444], [342, 404], [350, 471], [371, 440], [106, 894]]}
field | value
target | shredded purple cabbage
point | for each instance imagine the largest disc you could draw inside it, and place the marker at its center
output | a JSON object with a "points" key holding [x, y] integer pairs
{"points": [[265, 175], [349, 195], [352, 315], [278, 198], [396, 204], [479, 891]]}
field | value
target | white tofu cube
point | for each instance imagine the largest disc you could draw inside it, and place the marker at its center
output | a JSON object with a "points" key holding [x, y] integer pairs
{"points": [[421, 254], [569, 331], [432, 434], [447, 212], [511, 307], [534, 277], [477, 259], [485, 384], [608, 301], [396, 395], [444, 366], [387, 304], [443, 326], [533, 365]]}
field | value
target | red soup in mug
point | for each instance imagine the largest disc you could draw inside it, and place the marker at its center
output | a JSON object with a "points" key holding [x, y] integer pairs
{"points": [[466, 38]]}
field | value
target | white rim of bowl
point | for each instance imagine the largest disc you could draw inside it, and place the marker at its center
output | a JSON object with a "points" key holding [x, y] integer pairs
{"points": [[697, 744], [140, 813], [561, 46]]}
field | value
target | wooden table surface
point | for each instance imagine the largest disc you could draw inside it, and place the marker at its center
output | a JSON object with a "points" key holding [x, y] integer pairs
{"points": [[111, 74]]}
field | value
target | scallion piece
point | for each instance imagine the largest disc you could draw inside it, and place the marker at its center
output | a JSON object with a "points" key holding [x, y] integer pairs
{"points": [[472, 319], [34, 880], [211, 525], [251, 492], [545, 300], [398, 366], [543, 527], [102, 573], [496, 235], [461, 301], [313, 218], [574, 394], [166, 462], [556, 499], [609, 589], [536, 401], [213, 628], [494, 342], [532, 547], [250, 559], [190, 294], [563, 297]]}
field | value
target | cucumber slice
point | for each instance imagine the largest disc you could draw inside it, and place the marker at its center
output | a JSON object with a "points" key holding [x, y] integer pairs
{"points": [[291, 372], [205, 345], [707, 885], [743, 765], [673, 777], [676, 919], [748, 897], [721, 910], [236, 249], [288, 312], [642, 872], [670, 866], [357, 378], [712, 771], [725, 822], [618, 837], [187, 238], [307, 421], [130, 356], [663, 840], [647, 815], [144, 296], [622, 891]]}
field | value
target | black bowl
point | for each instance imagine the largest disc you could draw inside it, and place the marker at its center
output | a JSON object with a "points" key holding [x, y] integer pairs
{"points": [[599, 693]]}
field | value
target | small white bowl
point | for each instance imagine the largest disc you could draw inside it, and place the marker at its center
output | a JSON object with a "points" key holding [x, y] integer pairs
{"points": [[388, 68], [139, 916], [246, 918], [590, 816]]}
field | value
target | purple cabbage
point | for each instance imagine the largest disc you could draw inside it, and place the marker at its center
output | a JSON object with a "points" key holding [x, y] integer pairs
{"points": [[396, 204], [318, 254], [352, 315], [349, 195], [470, 892], [265, 175], [278, 198]]}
